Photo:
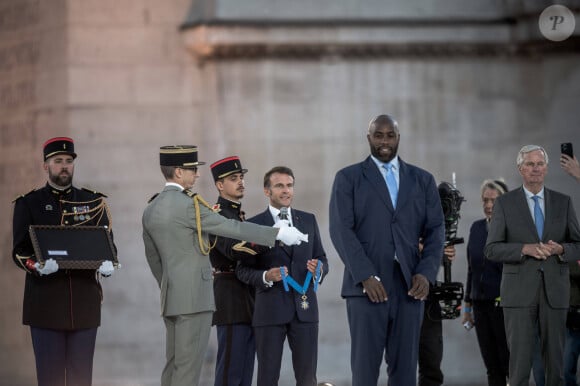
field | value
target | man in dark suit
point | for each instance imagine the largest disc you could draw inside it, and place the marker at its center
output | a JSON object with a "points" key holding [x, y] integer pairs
{"points": [[379, 209], [281, 310], [534, 232], [234, 299]]}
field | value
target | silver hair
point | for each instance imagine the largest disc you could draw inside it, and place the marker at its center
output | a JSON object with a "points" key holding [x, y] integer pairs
{"points": [[498, 185], [527, 149]]}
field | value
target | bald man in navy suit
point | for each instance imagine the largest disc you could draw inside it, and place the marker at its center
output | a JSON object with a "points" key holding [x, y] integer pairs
{"points": [[379, 209]]}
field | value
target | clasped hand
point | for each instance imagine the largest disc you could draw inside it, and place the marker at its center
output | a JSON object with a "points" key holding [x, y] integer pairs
{"points": [[541, 251]]}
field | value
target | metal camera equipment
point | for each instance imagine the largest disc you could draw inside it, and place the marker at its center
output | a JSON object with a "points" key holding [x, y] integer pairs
{"points": [[449, 294]]}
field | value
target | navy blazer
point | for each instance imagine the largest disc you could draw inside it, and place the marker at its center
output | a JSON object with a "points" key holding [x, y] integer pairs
{"points": [[273, 304], [366, 230], [483, 275]]}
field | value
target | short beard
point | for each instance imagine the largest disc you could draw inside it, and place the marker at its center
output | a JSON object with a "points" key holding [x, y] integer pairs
{"points": [[58, 180]]}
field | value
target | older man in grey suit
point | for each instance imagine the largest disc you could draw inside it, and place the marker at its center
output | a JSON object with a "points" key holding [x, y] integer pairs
{"points": [[534, 232], [176, 224]]}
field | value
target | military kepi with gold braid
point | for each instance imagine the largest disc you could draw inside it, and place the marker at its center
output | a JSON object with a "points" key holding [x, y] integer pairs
{"points": [[226, 166], [59, 145], [181, 156]]}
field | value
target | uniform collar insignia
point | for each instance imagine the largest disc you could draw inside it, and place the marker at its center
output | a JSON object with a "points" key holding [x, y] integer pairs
{"points": [[61, 192]]}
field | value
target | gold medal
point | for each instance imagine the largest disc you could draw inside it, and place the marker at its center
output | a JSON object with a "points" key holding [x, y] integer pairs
{"points": [[304, 304]]}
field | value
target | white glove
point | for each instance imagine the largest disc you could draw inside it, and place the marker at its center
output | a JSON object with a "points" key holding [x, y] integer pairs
{"points": [[106, 268], [50, 266], [281, 223], [291, 236]]}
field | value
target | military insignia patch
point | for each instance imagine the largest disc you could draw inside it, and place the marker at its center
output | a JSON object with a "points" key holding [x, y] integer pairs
{"points": [[216, 208]]}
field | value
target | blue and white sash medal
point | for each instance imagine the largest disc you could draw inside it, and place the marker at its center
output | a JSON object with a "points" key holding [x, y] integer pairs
{"points": [[289, 280]]}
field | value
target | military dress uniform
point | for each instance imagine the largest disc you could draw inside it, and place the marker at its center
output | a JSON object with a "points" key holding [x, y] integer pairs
{"points": [[234, 299], [176, 224], [66, 299], [63, 307]]}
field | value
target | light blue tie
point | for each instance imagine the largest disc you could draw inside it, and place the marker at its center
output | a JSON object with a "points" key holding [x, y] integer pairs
{"points": [[538, 216], [391, 183]]}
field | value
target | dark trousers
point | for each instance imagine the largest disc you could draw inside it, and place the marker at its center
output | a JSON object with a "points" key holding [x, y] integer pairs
{"points": [[522, 324], [235, 357], [489, 327], [431, 346], [388, 330], [303, 342], [64, 358]]}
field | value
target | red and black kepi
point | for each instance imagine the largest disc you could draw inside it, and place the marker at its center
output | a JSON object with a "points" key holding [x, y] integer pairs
{"points": [[59, 145], [226, 166]]}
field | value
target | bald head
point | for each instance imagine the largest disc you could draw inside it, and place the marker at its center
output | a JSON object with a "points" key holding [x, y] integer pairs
{"points": [[383, 137], [383, 120]]}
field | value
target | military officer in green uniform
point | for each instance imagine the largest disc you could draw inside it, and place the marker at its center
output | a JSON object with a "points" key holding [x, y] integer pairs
{"points": [[176, 224]]}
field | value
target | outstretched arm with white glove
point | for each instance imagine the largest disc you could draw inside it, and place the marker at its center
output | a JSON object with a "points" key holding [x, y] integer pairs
{"points": [[291, 236]]}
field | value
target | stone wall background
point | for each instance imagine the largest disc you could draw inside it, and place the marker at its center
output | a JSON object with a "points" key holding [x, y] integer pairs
{"points": [[122, 78]]}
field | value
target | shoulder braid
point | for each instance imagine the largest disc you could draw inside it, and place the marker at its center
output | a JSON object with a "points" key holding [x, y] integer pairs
{"points": [[204, 247]]}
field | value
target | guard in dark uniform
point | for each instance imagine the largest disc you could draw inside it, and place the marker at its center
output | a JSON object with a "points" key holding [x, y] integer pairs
{"points": [[62, 307], [234, 299]]}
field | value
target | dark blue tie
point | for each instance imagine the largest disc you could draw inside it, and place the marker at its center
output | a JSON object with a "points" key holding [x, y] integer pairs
{"points": [[538, 216], [391, 183]]}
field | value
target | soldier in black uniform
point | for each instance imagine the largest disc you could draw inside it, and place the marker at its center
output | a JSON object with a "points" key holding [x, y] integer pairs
{"points": [[234, 299], [62, 307]]}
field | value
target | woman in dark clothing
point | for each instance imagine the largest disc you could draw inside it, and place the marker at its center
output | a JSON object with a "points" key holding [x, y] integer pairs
{"points": [[482, 293]]}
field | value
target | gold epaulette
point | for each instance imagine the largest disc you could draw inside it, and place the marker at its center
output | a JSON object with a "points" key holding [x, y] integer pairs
{"points": [[152, 198], [23, 195], [94, 192]]}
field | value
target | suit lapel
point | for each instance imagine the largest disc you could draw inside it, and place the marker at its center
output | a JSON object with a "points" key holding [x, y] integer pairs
{"points": [[549, 210], [377, 181], [404, 184], [521, 206]]}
